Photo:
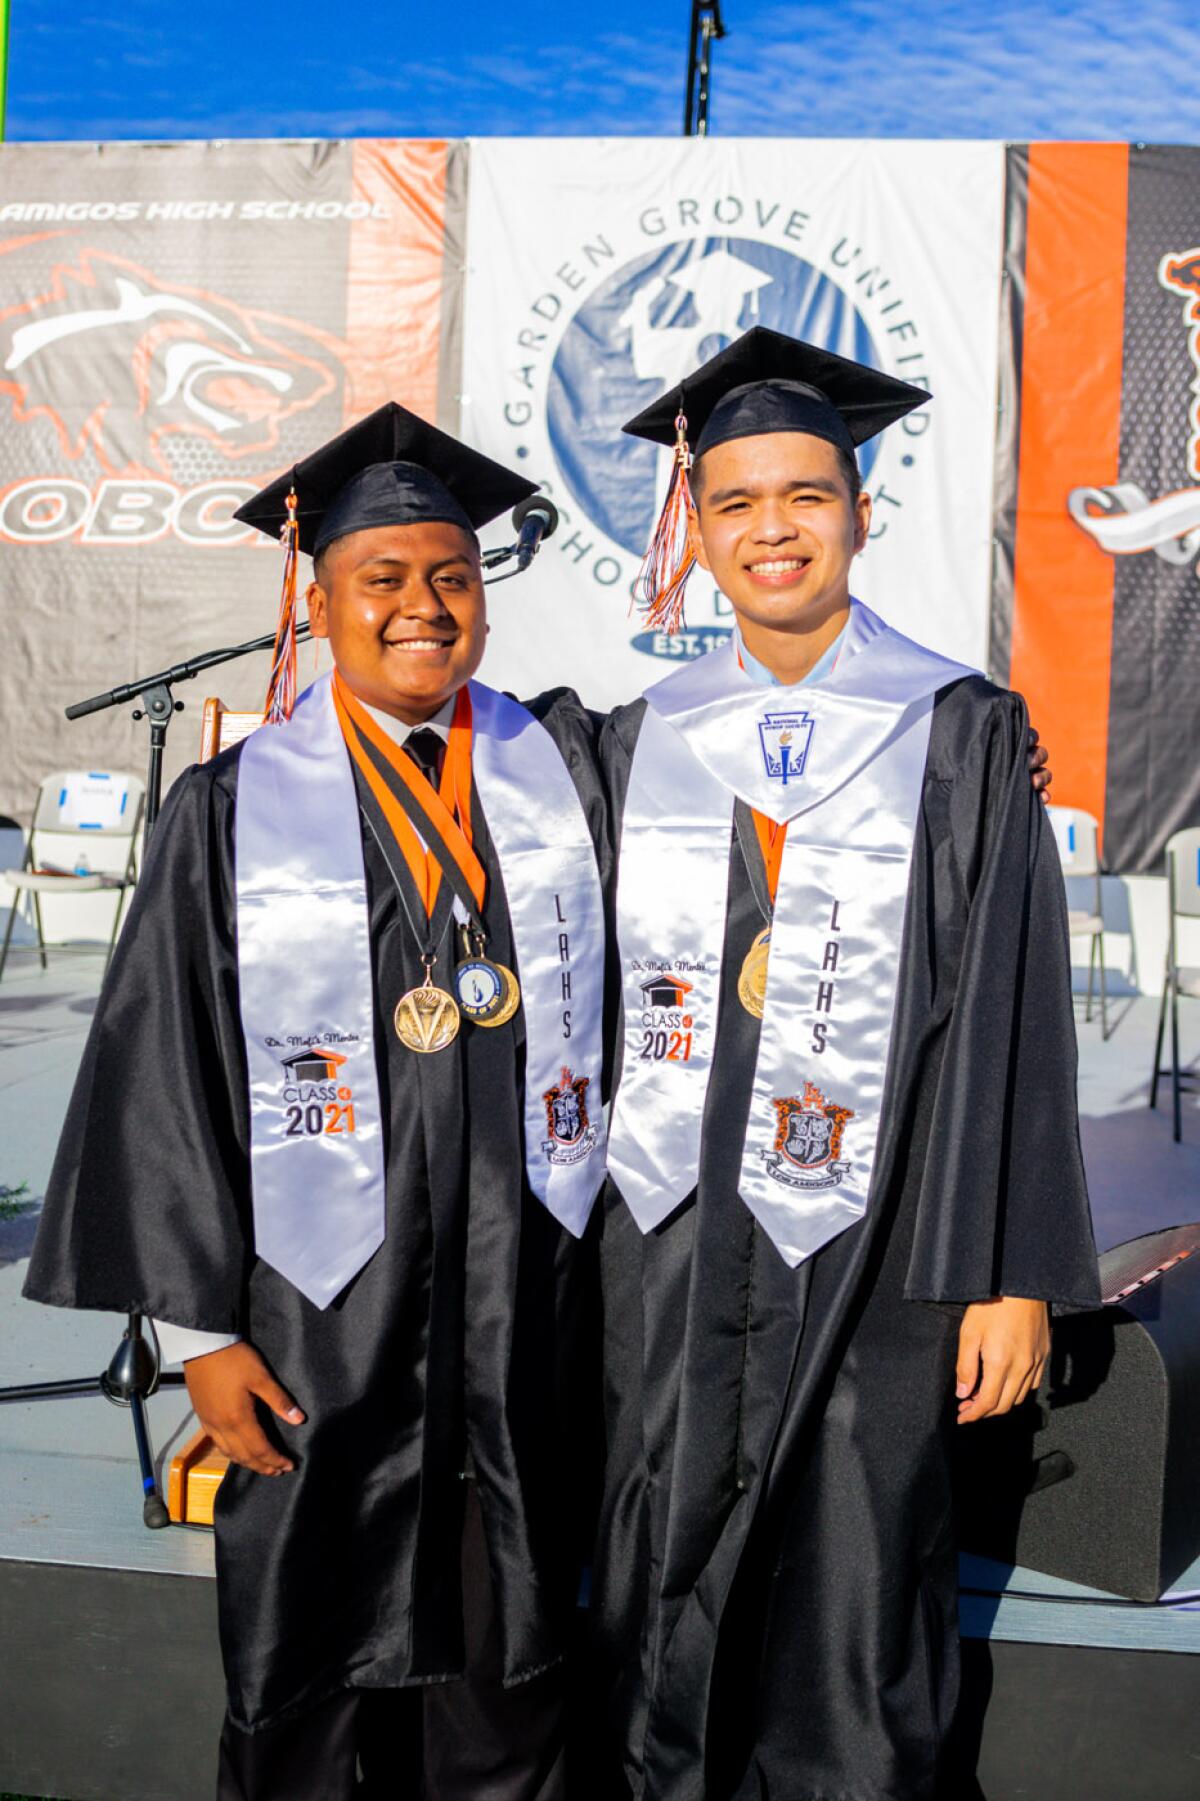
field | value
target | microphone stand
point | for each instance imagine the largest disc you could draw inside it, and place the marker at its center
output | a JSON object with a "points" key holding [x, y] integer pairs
{"points": [[134, 1371]]}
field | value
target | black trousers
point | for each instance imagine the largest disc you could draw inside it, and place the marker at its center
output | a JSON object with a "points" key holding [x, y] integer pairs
{"points": [[469, 1740]]}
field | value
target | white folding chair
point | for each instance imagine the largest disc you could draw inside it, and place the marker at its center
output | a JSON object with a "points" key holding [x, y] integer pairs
{"points": [[1183, 902], [1076, 833], [72, 803]]}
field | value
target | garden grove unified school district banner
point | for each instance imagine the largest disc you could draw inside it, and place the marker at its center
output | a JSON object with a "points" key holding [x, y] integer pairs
{"points": [[599, 273]]}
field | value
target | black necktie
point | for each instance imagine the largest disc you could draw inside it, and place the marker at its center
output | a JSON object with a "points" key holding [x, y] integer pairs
{"points": [[427, 750]]}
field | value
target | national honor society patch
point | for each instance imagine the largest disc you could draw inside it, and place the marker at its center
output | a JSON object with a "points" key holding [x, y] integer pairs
{"points": [[571, 1136], [808, 1141], [786, 739]]}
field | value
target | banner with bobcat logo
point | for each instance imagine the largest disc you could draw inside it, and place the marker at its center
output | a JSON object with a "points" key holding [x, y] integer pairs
{"points": [[178, 323], [1096, 596]]}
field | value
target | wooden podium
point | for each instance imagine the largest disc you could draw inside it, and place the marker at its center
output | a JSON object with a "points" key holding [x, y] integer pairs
{"points": [[194, 1477]]}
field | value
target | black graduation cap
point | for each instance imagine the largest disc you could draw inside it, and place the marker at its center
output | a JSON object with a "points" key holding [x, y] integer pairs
{"points": [[768, 382], [392, 468]]}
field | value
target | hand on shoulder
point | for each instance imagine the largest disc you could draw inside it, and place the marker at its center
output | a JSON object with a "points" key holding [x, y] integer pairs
{"points": [[1040, 773]]}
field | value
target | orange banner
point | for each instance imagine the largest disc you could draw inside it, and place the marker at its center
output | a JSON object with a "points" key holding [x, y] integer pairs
{"points": [[1070, 437], [394, 279]]}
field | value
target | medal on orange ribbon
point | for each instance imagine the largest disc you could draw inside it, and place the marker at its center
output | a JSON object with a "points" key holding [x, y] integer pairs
{"points": [[427, 1018], [752, 977]]}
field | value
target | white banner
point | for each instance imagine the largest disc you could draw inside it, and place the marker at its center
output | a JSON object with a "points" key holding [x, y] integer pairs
{"points": [[601, 271]]}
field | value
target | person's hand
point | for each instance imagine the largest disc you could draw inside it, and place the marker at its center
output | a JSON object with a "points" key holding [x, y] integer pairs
{"points": [[1039, 767], [1002, 1350], [225, 1387]]}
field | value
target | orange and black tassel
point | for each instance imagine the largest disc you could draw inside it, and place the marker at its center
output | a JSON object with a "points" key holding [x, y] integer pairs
{"points": [[281, 688], [670, 559]]}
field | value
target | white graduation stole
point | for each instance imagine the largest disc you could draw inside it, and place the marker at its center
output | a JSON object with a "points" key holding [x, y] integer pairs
{"points": [[306, 981], [842, 762]]}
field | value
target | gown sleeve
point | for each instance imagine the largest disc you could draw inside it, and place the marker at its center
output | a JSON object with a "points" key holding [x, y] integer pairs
{"points": [[1003, 1207], [148, 1205]]}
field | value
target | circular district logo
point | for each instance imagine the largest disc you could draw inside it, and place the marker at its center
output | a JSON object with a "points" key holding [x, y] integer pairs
{"points": [[649, 325]]}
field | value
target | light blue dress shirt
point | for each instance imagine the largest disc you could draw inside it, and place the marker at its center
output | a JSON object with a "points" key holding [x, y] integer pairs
{"points": [[758, 672]]}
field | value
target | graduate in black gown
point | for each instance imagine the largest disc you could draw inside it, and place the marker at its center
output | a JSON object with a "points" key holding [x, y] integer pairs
{"points": [[837, 1243], [399, 1535]]}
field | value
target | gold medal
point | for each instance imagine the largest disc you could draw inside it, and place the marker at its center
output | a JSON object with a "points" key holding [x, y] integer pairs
{"points": [[488, 993], [752, 977], [752, 985], [427, 1018]]}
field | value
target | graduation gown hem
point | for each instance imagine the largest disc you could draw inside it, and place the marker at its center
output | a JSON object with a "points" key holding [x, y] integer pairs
{"points": [[360, 1683]]}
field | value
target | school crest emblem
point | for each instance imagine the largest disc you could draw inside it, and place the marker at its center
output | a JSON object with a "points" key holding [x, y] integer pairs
{"points": [[808, 1141], [572, 1137], [785, 739]]}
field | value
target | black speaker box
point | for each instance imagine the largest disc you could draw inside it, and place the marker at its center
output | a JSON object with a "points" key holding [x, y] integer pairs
{"points": [[1097, 1478]]}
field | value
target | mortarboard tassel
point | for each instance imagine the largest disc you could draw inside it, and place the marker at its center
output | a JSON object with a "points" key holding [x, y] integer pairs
{"points": [[281, 688], [670, 559]]}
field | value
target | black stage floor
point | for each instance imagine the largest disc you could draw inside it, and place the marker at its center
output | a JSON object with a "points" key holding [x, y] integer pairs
{"points": [[111, 1685]]}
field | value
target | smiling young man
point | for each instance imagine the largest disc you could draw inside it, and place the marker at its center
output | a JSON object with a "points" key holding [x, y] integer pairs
{"points": [[337, 1129], [845, 1179]]}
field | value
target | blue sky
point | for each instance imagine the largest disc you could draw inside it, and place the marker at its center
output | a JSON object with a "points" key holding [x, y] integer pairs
{"points": [[456, 68]]}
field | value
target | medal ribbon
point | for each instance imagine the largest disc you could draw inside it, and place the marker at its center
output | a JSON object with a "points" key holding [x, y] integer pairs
{"points": [[448, 807], [772, 836]]}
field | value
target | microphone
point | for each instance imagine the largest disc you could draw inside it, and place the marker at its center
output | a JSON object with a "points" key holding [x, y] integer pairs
{"points": [[533, 520]]}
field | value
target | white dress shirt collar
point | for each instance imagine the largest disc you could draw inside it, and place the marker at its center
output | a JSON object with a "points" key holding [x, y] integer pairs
{"points": [[400, 732]]}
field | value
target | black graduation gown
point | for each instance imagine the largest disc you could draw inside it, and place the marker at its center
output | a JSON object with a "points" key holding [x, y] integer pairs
{"points": [[775, 1591], [466, 1329]]}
